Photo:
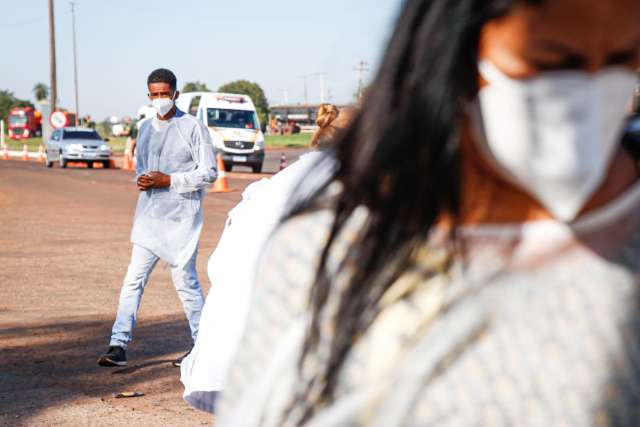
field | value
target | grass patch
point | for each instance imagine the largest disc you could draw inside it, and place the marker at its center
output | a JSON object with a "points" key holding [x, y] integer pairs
{"points": [[117, 144], [295, 140], [32, 143]]}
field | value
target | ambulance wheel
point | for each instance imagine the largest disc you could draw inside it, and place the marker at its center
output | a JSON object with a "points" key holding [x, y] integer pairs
{"points": [[228, 167], [47, 163], [90, 165], [105, 164], [256, 168]]}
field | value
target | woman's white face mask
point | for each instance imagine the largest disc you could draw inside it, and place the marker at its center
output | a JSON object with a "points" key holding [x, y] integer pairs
{"points": [[555, 134]]}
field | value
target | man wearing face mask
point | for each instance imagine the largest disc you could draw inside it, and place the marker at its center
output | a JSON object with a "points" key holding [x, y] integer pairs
{"points": [[175, 163]]}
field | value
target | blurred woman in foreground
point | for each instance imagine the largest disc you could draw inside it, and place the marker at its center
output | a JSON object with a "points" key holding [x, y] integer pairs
{"points": [[474, 259], [232, 265]]}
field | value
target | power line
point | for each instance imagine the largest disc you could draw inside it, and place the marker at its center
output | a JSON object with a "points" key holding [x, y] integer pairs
{"points": [[25, 22], [31, 21]]}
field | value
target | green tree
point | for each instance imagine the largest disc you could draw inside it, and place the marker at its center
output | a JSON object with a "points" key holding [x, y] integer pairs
{"points": [[41, 91], [8, 100], [196, 86], [254, 91]]}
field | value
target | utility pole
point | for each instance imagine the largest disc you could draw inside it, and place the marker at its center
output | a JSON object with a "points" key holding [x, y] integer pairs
{"points": [[306, 93], [75, 59], [361, 68], [322, 76], [285, 97], [323, 87], [52, 59]]}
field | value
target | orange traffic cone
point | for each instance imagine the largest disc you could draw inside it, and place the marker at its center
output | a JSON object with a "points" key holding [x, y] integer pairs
{"points": [[25, 152], [5, 152], [283, 161], [221, 185], [41, 154]]}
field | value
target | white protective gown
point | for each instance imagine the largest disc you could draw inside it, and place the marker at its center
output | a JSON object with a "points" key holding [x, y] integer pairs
{"points": [[534, 324], [168, 221], [232, 269]]}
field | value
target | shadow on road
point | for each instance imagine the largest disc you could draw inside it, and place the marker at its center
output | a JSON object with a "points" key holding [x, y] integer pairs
{"points": [[134, 368], [49, 365]]}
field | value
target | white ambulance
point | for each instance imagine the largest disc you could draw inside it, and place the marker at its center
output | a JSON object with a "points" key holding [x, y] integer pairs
{"points": [[233, 124]]}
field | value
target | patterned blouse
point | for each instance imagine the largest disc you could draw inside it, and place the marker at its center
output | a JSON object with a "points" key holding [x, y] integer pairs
{"points": [[538, 325]]}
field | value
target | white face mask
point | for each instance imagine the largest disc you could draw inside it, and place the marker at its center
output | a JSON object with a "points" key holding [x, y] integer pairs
{"points": [[554, 135], [162, 105]]}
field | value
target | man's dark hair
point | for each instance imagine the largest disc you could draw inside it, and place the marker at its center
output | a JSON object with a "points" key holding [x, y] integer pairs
{"points": [[162, 75]]}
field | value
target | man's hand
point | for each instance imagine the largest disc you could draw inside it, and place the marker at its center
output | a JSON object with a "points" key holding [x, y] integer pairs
{"points": [[153, 180]]}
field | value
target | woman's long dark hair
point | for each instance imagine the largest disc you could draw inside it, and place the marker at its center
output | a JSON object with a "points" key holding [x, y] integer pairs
{"points": [[399, 159]]}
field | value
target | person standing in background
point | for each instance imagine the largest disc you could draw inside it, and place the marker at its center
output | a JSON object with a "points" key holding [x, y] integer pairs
{"points": [[232, 266]]}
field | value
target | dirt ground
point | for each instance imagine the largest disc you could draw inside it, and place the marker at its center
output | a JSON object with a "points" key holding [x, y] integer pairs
{"points": [[64, 249]]}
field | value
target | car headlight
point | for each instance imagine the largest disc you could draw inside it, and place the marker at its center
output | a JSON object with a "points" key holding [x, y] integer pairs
{"points": [[216, 138], [259, 145], [218, 141], [104, 147], [74, 147]]}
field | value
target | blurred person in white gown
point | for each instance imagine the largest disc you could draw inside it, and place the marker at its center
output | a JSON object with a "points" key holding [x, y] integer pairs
{"points": [[232, 266]]}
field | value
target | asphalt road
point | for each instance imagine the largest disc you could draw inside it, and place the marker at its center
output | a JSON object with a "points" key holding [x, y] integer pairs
{"points": [[64, 249]]}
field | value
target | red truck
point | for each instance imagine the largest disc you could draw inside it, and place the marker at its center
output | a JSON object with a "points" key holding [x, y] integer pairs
{"points": [[24, 122]]}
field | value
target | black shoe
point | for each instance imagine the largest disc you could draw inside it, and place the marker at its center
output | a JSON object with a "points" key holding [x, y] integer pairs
{"points": [[114, 357], [178, 361]]}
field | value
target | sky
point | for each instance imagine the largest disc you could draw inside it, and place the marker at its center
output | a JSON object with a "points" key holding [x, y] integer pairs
{"points": [[273, 43]]}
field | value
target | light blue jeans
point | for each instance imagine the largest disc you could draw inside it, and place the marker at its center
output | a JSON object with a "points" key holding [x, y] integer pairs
{"points": [[185, 279]]}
